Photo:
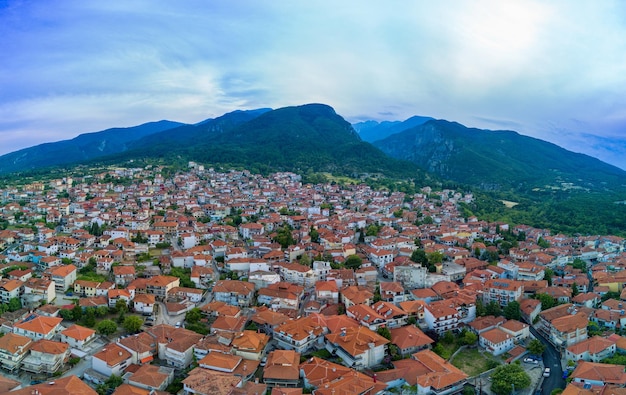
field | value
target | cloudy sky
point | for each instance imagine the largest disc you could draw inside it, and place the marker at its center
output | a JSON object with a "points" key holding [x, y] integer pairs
{"points": [[555, 70]]}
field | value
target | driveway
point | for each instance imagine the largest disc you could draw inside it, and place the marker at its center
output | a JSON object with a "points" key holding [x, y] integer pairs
{"points": [[552, 360]]}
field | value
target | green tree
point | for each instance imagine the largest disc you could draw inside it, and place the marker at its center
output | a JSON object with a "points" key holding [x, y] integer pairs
{"points": [[548, 274], [419, 256], [434, 257], [547, 301], [481, 310], [579, 264], [493, 308], [512, 311], [575, 290], [89, 317], [543, 243], [106, 327], [66, 314], [15, 304], [193, 316], [353, 262], [77, 313], [101, 311], [507, 378], [447, 338], [469, 338], [384, 332], [536, 347], [121, 306], [315, 235], [132, 324]]}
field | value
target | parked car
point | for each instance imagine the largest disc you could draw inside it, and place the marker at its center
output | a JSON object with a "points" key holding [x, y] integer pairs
{"points": [[546, 372], [178, 324], [530, 360]]}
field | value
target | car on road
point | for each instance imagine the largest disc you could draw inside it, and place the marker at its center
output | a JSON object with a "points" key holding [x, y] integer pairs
{"points": [[178, 324], [546, 372]]}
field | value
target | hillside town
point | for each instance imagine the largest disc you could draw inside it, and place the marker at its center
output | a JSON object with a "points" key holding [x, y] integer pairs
{"points": [[137, 281]]}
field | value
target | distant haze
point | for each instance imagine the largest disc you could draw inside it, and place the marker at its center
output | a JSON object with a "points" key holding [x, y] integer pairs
{"points": [[553, 70]]}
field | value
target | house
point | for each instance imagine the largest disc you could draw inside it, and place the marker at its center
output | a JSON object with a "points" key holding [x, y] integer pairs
{"points": [[175, 345], [228, 363], [486, 323], [599, 374], [63, 276], [77, 336], [38, 291], [234, 292], [69, 385], [518, 330], [268, 320], [159, 286], [281, 295], [123, 275], [202, 276], [112, 359], [327, 292], [530, 309], [392, 292], [502, 291], [359, 347], [46, 356], [144, 303], [202, 381], [13, 349], [38, 327], [355, 294], [594, 349], [10, 289], [410, 339], [330, 378], [85, 288], [115, 295], [440, 317], [300, 335], [250, 345], [496, 341], [282, 369], [151, 377], [141, 346], [568, 330], [435, 375]]}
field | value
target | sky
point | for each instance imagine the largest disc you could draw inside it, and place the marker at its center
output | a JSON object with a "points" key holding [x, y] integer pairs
{"points": [[554, 70]]}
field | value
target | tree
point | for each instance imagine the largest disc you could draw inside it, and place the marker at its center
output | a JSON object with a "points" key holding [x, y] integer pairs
{"points": [[89, 318], [508, 378], [536, 347], [132, 324], [305, 260], [447, 338], [512, 311], [193, 316], [481, 310], [121, 306], [106, 327], [384, 332], [493, 308], [77, 313], [315, 235], [419, 256], [547, 301], [66, 314], [469, 338], [548, 274], [575, 289], [15, 304], [101, 311], [543, 243], [353, 262], [434, 257]]}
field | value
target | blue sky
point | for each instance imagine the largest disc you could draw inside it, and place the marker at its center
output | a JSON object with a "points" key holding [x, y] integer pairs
{"points": [[555, 70]]}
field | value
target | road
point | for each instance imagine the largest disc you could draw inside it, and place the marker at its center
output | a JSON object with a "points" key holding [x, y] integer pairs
{"points": [[552, 360]]}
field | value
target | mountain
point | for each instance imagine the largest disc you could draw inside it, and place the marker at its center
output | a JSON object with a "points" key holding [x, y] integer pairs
{"points": [[82, 148], [371, 131], [499, 160], [308, 138]]}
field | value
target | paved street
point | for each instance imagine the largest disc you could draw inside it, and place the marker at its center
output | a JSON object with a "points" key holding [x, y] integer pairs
{"points": [[551, 359]]}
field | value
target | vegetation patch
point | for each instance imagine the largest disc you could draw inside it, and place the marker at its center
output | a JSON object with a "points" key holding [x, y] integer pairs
{"points": [[473, 362]]}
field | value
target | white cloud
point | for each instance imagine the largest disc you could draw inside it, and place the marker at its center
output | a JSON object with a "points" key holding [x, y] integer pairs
{"points": [[74, 67]]}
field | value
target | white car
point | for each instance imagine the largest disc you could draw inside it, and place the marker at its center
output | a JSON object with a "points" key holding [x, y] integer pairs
{"points": [[530, 360], [178, 324], [546, 372]]}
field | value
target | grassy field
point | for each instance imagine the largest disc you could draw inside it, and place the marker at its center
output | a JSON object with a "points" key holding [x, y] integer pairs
{"points": [[472, 361], [341, 179]]}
